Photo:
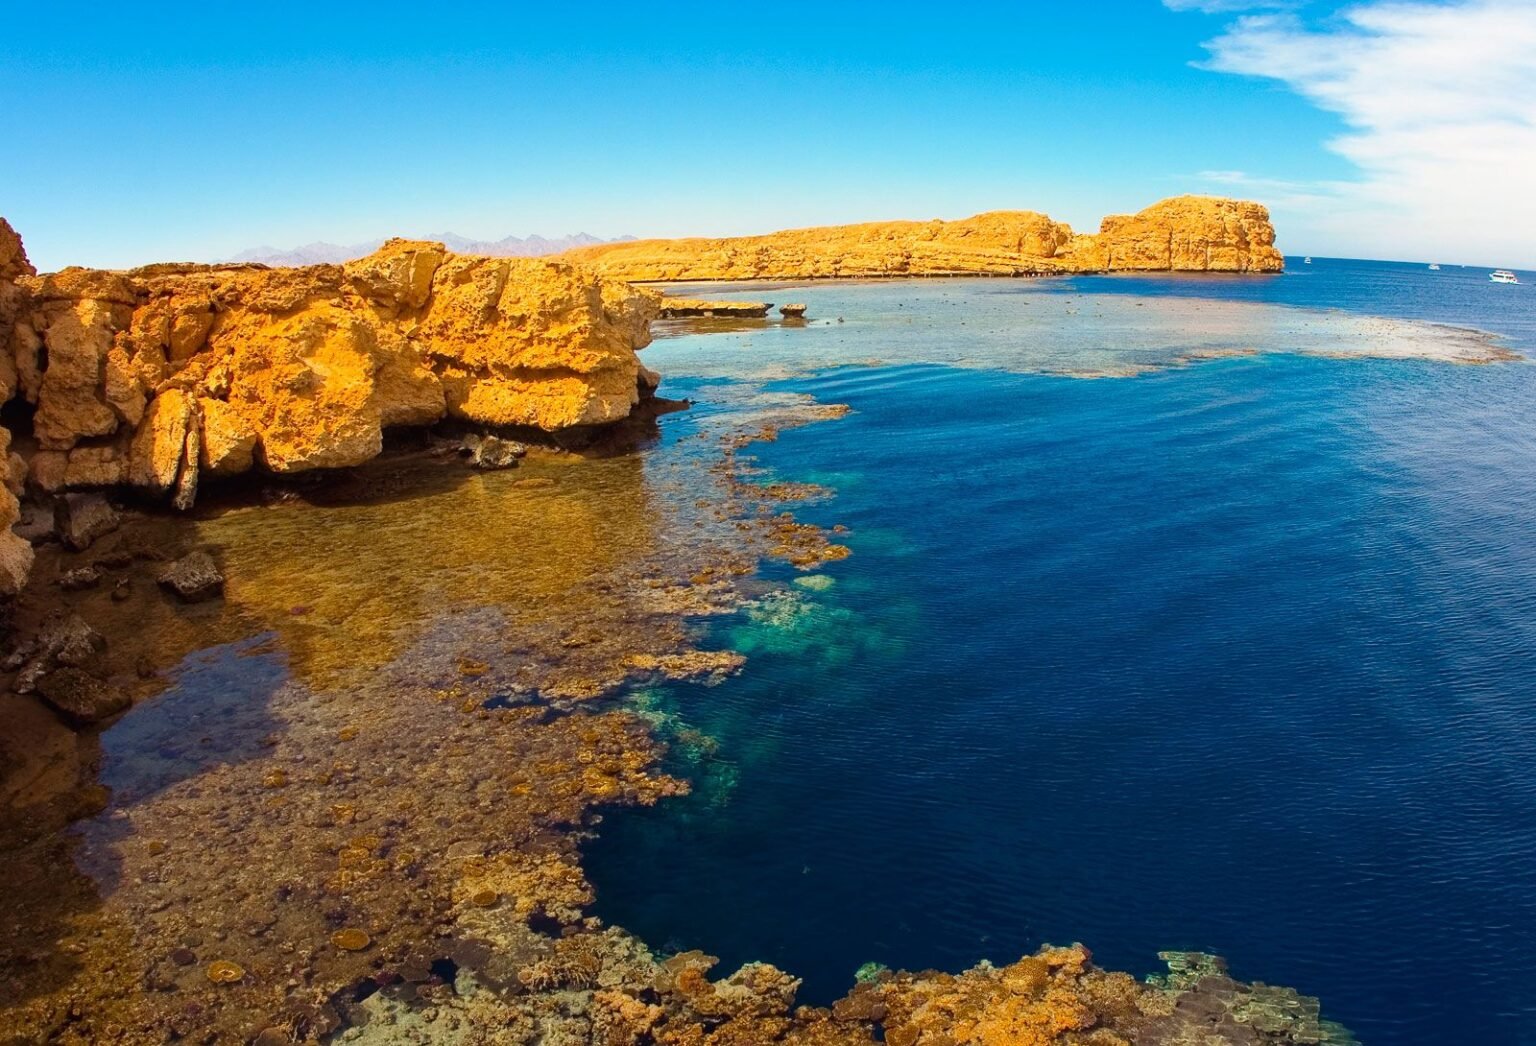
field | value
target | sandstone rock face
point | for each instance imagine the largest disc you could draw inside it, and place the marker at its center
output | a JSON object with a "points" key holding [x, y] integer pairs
{"points": [[160, 375], [1186, 233], [80, 519], [15, 551]]}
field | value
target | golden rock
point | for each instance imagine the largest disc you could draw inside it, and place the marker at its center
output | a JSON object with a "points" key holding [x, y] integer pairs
{"points": [[351, 939], [222, 971], [1185, 233], [174, 370]]}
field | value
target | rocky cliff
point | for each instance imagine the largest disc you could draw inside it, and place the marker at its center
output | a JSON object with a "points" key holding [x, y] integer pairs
{"points": [[1186, 233], [15, 551], [158, 376]]}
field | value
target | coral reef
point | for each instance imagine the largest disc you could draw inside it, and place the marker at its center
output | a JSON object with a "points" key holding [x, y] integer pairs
{"points": [[350, 803], [1185, 233]]}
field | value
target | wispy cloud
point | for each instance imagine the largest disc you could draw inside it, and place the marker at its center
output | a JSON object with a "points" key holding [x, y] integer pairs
{"points": [[1229, 6], [1277, 192], [1440, 104]]}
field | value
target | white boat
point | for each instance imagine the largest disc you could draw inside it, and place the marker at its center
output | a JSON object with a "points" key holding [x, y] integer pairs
{"points": [[1503, 276], [1307, 260], [1434, 266]]}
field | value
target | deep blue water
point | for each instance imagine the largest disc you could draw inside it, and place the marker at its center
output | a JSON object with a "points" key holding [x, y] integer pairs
{"points": [[1238, 657]]}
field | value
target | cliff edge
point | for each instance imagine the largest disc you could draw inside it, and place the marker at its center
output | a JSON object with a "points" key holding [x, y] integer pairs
{"points": [[157, 376], [1182, 234]]}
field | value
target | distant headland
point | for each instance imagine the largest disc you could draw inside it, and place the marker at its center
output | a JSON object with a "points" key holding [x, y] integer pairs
{"points": [[1181, 234]]}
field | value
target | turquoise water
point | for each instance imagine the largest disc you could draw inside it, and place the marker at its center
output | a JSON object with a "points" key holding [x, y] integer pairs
{"points": [[1235, 656]]}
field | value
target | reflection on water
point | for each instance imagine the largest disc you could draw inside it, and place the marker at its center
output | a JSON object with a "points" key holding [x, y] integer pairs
{"points": [[1044, 326], [374, 754], [386, 726], [555, 545]]}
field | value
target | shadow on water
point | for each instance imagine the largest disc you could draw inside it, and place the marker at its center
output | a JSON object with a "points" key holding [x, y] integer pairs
{"points": [[215, 711]]}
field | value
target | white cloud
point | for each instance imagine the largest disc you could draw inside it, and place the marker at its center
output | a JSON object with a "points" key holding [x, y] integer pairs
{"points": [[1440, 105], [1211, 7]]}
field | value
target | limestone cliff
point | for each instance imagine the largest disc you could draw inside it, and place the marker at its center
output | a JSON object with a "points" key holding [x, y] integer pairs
{"points": [[15, 551], [1186, 233], [158, 376]]}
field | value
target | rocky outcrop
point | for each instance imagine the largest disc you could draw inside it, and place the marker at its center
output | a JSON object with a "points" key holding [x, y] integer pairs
{"points": [[1182, 234], [1186, 233], [677, 308], [15, 551], [160, 376]]}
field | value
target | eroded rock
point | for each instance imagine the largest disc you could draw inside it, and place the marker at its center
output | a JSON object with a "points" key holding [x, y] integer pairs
{"points": [[65, 642], [80, 578], [493, 452], [1186, 233], [164, 375], [193, 578], [80, 519], [80, 698]]}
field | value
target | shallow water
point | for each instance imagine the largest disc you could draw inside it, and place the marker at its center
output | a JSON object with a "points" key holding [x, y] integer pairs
{"points": [[1098, 326], [1234, 657], [1229, 655]]}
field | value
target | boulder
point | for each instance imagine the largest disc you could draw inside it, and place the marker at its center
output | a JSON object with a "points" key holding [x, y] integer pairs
{"points": [[80, 698], [65, 642], [493, 452], [193, 578], [80, 578], [72, 642], [80, 519]]}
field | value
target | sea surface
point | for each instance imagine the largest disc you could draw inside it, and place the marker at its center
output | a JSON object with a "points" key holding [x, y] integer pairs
{"points": [[1230, 647]]}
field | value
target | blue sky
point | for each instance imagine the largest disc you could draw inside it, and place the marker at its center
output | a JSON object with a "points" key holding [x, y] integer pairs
{"points": [[158, 131]]}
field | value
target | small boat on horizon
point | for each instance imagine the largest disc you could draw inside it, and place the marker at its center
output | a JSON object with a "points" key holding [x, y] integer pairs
{"points": [[1503, 276], [1307, 260], [1435, 266]]}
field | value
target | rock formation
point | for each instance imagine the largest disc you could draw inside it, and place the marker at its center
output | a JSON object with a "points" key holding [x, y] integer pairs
{"points": [[675, 308], [15, 551], [159, 376], [1186, 233]]}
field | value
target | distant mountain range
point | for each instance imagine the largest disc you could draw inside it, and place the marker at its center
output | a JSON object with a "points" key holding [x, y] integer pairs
{"points": [[509, 247]]}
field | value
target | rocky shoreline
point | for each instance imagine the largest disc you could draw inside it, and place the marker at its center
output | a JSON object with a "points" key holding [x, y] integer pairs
{"points": [[377, 676]]}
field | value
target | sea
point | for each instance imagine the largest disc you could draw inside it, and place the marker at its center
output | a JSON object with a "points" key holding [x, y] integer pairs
{"points": [[1182, 613]]}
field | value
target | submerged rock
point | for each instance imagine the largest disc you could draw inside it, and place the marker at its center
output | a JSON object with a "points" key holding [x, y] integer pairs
{"points": [[80, 698], [72, 642], [493, 452], [194, 578], [80, 578], [82, 518], [67, 642]]}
